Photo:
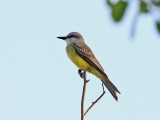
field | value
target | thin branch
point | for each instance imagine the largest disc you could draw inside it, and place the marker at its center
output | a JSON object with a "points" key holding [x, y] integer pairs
{"points": [[93, 103], [83, 75]]}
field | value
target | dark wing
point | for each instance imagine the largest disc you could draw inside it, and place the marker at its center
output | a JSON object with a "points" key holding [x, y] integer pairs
{"points": [[86, 53]]}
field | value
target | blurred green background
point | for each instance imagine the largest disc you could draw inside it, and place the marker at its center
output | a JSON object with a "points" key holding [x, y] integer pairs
{"points": [[148, 7]]}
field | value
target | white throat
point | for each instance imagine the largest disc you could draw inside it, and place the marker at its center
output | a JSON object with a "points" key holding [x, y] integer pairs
{"points": [[70, 40]]}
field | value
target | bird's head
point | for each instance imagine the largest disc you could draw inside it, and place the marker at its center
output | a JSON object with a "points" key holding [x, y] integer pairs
{"points": [[72, 37]]}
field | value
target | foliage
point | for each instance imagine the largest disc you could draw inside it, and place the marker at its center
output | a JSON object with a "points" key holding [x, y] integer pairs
{"points": [[119, 8], [158, 26]]}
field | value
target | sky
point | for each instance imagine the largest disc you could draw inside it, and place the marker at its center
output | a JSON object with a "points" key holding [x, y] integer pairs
{"points": [[39, 82]]}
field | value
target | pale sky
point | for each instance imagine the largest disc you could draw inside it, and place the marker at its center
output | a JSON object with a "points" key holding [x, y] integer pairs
{"points": [[39, 82]]}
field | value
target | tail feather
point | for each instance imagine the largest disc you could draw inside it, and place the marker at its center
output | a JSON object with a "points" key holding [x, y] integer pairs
{"points": [[104, 78], [112, 88]]}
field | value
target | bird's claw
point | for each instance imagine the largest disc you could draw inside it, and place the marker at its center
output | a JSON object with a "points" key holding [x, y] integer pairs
{"points": [[81, 74]]}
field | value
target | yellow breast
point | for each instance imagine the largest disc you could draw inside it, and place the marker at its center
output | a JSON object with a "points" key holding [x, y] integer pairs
{"points": [[76, 59], [80, 63]]}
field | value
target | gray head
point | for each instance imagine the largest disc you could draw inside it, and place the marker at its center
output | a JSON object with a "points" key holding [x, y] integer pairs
{"points": [[72, 37]]}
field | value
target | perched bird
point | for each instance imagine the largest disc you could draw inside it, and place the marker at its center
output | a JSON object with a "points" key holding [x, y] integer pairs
{"points": [[82, 56]]}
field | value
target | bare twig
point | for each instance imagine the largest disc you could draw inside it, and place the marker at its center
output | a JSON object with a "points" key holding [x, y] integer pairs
{"points": [[83, 75], [93, 103]]}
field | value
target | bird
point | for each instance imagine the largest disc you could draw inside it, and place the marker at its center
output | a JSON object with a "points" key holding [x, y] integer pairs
{"points": [[82, 56]]}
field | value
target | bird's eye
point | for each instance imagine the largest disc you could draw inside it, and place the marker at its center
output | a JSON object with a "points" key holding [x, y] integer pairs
{"points": [[71, 36]]}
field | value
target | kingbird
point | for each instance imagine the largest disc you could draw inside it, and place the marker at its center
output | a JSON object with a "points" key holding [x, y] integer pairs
{"points": [[82, 56]]}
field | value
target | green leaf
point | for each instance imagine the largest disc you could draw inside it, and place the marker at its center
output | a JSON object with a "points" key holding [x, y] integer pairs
{"points": [[158, 26], [156, 3], [118, 10], [109, 3], [143, 7]]}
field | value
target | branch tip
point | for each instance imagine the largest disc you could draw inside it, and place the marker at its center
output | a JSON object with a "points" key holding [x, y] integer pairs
{"points": [[83, 75]]}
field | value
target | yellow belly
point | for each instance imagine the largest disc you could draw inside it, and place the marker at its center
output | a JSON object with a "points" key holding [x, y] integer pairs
{"points": [[80, 63], [76, 59]]}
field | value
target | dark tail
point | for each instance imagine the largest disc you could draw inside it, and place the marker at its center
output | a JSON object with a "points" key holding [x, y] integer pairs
{"points": [[111, 87]]}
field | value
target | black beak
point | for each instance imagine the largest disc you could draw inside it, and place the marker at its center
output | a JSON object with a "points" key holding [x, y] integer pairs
{"points": [[63, 38]]}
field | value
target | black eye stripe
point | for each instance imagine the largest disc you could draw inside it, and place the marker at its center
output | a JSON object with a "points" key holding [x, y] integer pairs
{"points": [[70, 36], [73, 36]]}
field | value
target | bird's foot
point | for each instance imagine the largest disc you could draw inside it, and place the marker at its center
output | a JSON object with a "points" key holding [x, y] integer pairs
{"points": [[81, 74]]}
